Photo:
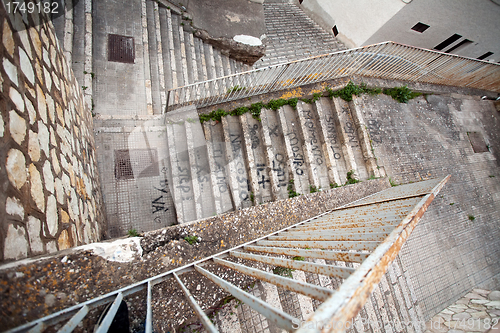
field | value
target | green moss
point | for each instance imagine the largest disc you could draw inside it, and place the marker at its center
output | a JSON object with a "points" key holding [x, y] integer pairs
{"points": [[283, 271], [191, 239], [401, 94], [133, 233], [313, 189], [350, 179]]}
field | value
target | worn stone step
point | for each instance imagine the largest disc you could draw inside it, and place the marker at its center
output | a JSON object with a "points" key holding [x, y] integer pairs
{"points": [[219, 70], [274, 145], [226, 66], [154, 60], [238, 175], [200, 167], [331, 144], [184, 195], [190, 64], [258, 169], [318, 173], [293, 147], [362, 129], [210, 61], [192, 61], [184, 66], [169, 61], [349, 139], [219, 167], [200, 58], [178, 50]]}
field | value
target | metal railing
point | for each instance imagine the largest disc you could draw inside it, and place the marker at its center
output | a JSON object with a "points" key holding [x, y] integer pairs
{"points": [[387, 60], [369, 232]]}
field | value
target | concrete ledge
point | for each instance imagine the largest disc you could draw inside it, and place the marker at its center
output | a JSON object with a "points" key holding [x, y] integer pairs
{"points": [[37, 287]]}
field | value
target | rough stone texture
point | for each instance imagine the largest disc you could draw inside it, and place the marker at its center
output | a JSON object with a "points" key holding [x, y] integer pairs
{"points": [[466, 316], [292, 35], [242, 52], [82, 275], [35, 77]]}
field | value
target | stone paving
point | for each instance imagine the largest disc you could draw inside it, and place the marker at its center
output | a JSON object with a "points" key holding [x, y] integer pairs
{"points": [[477, 311], [292, 35]]}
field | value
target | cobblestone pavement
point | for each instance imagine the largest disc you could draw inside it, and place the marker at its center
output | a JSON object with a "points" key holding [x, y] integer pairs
{"points": [[292, 35], [477, 311]]}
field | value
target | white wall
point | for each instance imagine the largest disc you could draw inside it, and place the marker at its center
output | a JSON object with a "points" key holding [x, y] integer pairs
{"points": [[477, 20], [356, 20]]}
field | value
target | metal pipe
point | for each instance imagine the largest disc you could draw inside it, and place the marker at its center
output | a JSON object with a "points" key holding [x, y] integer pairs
{"points": [[197, 309], [310, 290], [333, 271], [277, 316]]}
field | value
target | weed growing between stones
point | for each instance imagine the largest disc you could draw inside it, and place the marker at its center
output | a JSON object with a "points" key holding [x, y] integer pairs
{"points": [[236, 88], [392, 182], [350, 179], [313, 189], [132, 233], [402, 94], [334, 185], [191, 239], [299, 258], [283, 271], [471, 217], [291, 192]]}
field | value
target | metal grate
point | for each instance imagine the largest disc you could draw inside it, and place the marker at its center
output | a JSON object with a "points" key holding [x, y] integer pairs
{"points": [[136, 163], [477, 141], [369, 232], [121, 49]]}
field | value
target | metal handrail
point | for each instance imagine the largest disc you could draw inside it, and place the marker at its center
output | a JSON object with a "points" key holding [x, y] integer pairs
{"points": [[353, 237], [387, 60]]}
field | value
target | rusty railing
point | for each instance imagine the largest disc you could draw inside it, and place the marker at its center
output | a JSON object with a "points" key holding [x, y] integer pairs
{"points": [[387, 60], [369, 233]]}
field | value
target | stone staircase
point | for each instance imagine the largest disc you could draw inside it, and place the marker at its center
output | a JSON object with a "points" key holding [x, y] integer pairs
{"points": [[392, 306], [240, 161], [174, 57]]}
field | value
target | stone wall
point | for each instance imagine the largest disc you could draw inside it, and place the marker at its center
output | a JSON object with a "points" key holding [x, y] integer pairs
{"points": [[50, 198]]}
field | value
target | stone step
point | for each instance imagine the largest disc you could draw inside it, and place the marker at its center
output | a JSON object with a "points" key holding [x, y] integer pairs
{"points": [[274, 145], [200, 168], [296, 161], [239, 181], [331, 144], [315, 161], [219, 167], [170, 66], [177, 50], [154, 60], [349, 140], [183, 190], [210, 61], [200, 58], [258, 167]]}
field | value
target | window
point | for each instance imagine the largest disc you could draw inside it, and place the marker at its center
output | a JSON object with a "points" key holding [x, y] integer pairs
{"points": [[465, 42], [484, 56], [447, 42], [335, 31], [121, 49], [420, 27]]}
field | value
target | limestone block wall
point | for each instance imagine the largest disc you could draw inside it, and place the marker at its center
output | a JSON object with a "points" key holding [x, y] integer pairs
{"points": [[50, 195]]}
